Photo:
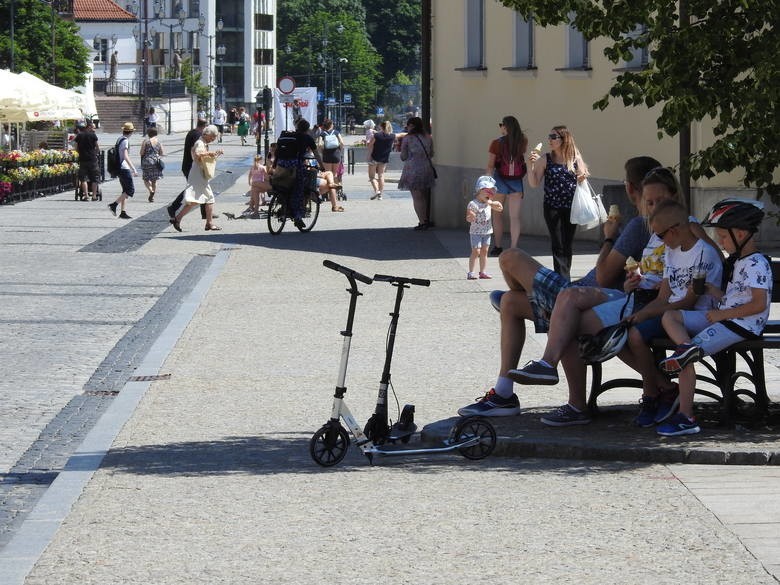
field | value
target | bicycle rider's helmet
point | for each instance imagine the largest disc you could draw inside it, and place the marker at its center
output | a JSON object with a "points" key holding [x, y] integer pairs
{"points": [[743, 214], [605, 344]]}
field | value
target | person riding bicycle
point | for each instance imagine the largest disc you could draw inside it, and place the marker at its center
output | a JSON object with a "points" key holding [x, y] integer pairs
{"points": [[292, 150]]}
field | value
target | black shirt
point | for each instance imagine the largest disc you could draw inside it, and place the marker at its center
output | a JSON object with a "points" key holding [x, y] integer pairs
{"points": [[383, 144], [189, 142], [87, 147]]}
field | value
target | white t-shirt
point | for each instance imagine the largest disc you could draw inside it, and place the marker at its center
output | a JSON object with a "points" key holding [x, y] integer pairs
{"points": [[482, 225], [752, 271], [124, 146], [651, 266], [679, 266], [220, 117]]}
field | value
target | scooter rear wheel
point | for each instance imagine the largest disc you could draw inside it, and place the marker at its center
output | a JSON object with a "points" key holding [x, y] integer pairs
{"points": [[329, 445], [474, 426]]}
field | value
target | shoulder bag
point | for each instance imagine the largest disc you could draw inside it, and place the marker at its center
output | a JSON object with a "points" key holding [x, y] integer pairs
{"points": [[435, 174]]}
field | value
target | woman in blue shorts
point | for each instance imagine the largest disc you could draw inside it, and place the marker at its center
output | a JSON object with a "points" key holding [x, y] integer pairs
{"points": [[507, 166]]}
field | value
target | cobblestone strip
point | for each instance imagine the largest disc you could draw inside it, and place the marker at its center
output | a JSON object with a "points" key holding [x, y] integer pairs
{"points": [[28, 480]]}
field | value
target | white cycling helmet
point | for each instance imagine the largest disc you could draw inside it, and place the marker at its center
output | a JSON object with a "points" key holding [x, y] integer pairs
{"points": [[605, 344]]}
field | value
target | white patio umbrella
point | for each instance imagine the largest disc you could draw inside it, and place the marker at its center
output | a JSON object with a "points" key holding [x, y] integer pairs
{"points": [[24, 98]]}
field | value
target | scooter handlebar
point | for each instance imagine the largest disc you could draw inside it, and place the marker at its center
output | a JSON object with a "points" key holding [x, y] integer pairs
{"points": [[402, 280], [348, 272]]}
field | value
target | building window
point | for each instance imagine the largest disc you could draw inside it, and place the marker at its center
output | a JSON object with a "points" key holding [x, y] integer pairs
{"points": [[264, 56], [475, 34], [101, 46], [577, 49], [640, 55], [524, 57], [264, 22], [194, 8]]}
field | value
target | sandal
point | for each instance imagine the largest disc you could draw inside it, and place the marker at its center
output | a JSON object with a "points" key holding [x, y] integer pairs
{"points": [[213, 228], [176, 225], [339, 208]]}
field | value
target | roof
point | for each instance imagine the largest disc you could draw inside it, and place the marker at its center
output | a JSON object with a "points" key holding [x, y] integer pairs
{"points": [[100, 11]]}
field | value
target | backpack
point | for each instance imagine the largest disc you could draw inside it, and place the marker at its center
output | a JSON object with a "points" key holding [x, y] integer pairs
{"points": [[507, 166], [113, 164], [287, 146], [330, 140]]}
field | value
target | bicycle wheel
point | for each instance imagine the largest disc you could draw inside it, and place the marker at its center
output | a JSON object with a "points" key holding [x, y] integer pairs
{"points": [[277, 214], [329, 445], [311, 213]]}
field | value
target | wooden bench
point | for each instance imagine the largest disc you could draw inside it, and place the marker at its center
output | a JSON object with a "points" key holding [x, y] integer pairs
{"points": [[720, 372]]}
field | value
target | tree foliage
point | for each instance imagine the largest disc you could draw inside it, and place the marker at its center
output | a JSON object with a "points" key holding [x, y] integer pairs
{"points": [[33, 20], [721, 63], [309, 57]]}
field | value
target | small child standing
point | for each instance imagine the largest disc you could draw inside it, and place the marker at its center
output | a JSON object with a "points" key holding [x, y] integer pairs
{"points": [[258, 183], [478, 213], [741, 313]]}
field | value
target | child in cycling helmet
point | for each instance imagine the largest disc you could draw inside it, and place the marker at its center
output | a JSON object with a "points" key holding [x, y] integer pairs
{"points": [[741, 313], [478, 213]]}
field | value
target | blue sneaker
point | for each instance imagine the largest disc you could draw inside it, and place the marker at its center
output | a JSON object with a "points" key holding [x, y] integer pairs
{"points": [[534, 373], [647, 412], [685, 354], [565, 416], [668, 402], [678, 425], [495, 299], [491, 404]]}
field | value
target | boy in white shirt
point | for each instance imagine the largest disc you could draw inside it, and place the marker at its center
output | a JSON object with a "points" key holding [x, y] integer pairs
{"points": [[741, 313]]}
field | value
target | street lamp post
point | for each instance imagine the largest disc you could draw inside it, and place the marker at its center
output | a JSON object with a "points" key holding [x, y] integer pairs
{"points": [[181, 16], [221, 50], [342, 61]]}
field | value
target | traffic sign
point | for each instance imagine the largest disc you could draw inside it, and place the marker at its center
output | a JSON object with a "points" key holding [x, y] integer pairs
{"points": [[380, 111], [347, 98], [286, 84]]}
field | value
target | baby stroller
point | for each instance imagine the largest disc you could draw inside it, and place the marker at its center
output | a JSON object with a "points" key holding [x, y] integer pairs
{"points": [[81, 196]]}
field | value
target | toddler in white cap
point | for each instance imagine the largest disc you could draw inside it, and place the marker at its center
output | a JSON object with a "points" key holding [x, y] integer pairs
{"points": [[478, 215]]}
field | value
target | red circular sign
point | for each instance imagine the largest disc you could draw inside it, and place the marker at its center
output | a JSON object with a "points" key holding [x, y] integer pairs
{"points": [[286, 85]]}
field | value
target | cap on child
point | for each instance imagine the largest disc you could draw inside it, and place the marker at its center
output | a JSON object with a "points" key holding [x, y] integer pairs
{"points": [[484, 182]]}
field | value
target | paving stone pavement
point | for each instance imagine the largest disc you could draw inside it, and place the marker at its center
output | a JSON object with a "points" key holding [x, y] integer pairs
{"points": [[209, 480]]}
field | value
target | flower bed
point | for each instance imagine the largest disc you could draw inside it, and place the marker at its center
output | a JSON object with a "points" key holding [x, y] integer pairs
{"points": [[25, 175]]}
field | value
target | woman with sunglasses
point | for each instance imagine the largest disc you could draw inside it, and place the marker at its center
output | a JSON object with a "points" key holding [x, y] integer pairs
{"points": [[506, 164], [561, 169]]}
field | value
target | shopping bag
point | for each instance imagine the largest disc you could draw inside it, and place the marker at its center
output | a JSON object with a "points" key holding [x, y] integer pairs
{"points": [[585, 207]]}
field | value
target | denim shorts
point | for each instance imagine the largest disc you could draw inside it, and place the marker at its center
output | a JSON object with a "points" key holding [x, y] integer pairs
{"points": [[506, 186], [711, 337], [480, 240], [609, 311], [126, 181], [650, 329]]}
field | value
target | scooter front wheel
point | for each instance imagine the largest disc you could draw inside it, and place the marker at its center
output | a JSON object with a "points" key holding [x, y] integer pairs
{"points": [[329, 445], [480, 428]]}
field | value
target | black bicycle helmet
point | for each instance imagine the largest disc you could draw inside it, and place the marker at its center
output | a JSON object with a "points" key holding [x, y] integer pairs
{"points": [[742, 214]]}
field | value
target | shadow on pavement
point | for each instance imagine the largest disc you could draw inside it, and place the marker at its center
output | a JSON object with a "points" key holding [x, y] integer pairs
{"points": [[280, 454]]}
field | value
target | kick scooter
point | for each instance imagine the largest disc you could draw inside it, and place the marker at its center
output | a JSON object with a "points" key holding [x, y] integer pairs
{"points": [[473, 437]]}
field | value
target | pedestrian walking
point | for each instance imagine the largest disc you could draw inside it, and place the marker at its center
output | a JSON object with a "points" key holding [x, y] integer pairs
{"points": [[151, 162], [218, 118], [202, 171], [379, 146], [560, 169], [186, 165], [127, 171]]}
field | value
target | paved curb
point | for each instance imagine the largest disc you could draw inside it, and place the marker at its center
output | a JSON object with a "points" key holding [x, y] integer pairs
{"points": [[611, 437]]}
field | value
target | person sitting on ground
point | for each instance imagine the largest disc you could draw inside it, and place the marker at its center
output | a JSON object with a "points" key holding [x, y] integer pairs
{"points": [[742, 311], [581, 310], [534, 288], [478, 214]]}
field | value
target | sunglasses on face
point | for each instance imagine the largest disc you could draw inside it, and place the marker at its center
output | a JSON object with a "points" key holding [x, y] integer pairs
{"points": [[554, 137], [666, 231], [500, 124]]}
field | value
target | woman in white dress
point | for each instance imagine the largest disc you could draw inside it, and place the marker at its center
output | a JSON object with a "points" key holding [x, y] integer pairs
{"points": [[199, 191]]}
